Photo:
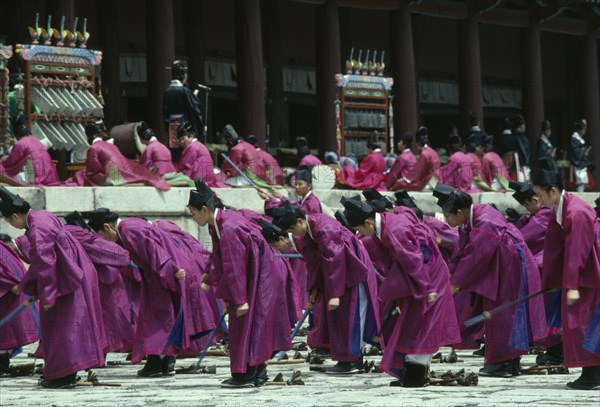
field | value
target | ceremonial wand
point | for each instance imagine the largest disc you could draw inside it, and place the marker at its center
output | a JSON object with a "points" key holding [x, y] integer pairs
{"points": [[289, 255], [15, 312], [209, 343], [307, 311], [489, 314]]}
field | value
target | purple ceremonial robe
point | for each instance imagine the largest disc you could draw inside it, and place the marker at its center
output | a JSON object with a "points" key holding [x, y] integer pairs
{"points": [[369, 173], [157, 158], [60, 273], [427, 166], [475, 164], [196, 162], [21, 329], [571, 261], [445, 236], [494, 262], [163, 297], [401, 169], [309, 160], [533, 228], [458, 172], [274, 172], [101, 156], [416, 269], [309, 204], [245, 156], [338, 264], [31, 148], [205, 311], [108, 259], [492, 165], [244, 271]]}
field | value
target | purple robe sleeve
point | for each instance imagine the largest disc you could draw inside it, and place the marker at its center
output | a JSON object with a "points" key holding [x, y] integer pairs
{"points": [[332, 262], [579, 241], [234, 258], [16, 159], [11, 269]]}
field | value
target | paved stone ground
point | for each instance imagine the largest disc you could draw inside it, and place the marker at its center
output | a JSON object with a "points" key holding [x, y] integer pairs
{"points": [[320, 390]]}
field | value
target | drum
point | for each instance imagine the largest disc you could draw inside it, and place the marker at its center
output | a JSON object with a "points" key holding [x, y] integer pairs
{"points": [[323, 177], [127, 139]]}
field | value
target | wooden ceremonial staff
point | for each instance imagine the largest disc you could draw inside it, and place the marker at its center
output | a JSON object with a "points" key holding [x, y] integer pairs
{"points": [[297, 327], [489, 314]]}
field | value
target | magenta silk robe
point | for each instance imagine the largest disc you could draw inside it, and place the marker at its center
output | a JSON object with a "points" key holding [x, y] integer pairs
{"points": [[245, 271], [108, 259], [403, 165], [309, 204], [309, 160], [157, 158], [21, 329], [415, 269], [492, 165], [494, 262], [446, 236], [163, 297], [245, 156], [60, 273], [427, 166], [102, 155], [475, 163], [571, 261], [458, 172], [274, 172], [31, 148], [369, 173], [533, 228], [196, 161], [337, 264]]}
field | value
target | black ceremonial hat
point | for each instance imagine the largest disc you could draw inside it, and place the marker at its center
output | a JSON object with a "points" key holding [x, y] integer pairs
{"points": [[339, 215], [270, 232], [11, 203], [202, 195], [356, 211], [75, 218], [523, 191], [97, 218], [446, 196], [304, 173]]}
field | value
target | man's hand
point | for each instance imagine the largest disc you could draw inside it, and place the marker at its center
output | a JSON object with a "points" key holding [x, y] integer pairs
{"points": [[180, 275], [333, 304], [205, 287], [455, 289], [572, 296], [48, 306], [242, 310], [276, 194], [262, 195], [432, 297], [16, 290]]}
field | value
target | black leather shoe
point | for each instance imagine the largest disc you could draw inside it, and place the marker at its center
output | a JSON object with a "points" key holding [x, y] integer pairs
{"points": [[67, 382], [168, 366], [553, 356], [480, 352], [502, 369], [261, 375], [153, 367], [240, 380], [4, 364], [416, 376], [341, 368], [516, 366], [589, 379]]}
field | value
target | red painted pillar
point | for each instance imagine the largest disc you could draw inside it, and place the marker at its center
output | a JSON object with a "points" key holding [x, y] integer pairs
{"points": [[406, 117], [328, 65], [250, 69], [469, 73], [592, 95], [160, 43]]}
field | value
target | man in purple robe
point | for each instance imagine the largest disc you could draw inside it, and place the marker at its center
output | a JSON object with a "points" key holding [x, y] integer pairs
{"points": [[156, 157], [167, 324], [106, 165], [63, 278], [21, 330], [304, 155], [303, 185], [242, 267], [426, 171], [571, 253], [458, 170], [245, 157], [341, 271], [109, 259], [274, 171], [494, 262], [417, 279], [29, 155], [370, 172], [195, 159], [403, 164]]}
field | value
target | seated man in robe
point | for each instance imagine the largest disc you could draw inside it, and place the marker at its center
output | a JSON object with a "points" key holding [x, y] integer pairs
{"points": [[370, 172], [272, 166], [107, 166], [28, 160]]}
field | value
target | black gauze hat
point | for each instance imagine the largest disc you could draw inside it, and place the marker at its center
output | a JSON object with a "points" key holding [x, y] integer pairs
{"points": [[285, 216], [203, 195], [356, 211], [270, 232], [446, 196], [339, 215], [185, 129], [230, 135], [304, 173], [75, 218], [97, 218], [11, 203], [523, 191]]}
